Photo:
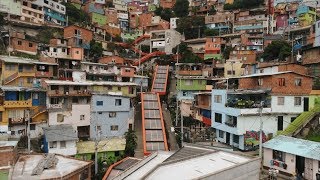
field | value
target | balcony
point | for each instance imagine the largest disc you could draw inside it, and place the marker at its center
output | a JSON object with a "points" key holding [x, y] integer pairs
{"points": [[231, 124], [69, 93], [17, 104], [189, 72], [16, 121]]}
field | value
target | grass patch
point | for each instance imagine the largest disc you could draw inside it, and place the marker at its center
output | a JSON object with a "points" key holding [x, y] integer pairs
{"points": [[300, 120]]}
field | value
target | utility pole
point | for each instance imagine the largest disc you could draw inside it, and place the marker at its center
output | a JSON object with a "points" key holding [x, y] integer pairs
{"points": [[96, 151], [261, 129], [177, 101], [9, 29], [28, 129], [181, 129]]}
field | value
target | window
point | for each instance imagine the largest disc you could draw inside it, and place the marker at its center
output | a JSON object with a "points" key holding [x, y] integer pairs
{"points": [[297, 101], [35, 96], [118, 102], [112, 114], [60, 118], [53, 144], [54, 87], [109, 88], [81, 117], [188, 82], [229, 72], [278, 155], [100, 112], [260, 82], [119, 88], [77, 52], [280, 123], [62, 144], [184, 93], [217, 98], [98, 128], [221, 134], [75, 100], [29, 80], [30, 45], [32, 127], [218, 117], [114, 128], [19, 43], [236, 139], [280, 100], [10, 67], [281, 81], [297, 81], [76, 88], [99, 103]]}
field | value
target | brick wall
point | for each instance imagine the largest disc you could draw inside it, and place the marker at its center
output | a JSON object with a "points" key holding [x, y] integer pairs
{"points": [[8, 155], [23, 45], [86, 35], [293, 67], [273, 82]]}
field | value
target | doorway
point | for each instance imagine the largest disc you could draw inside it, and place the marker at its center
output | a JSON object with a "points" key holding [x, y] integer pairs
{"points": [[280, 123], [227, 138], [306, 104], [300, 165]]}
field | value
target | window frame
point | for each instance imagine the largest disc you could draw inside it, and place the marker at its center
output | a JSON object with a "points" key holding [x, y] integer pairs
{"points": [[279, 102], [297, 101]]}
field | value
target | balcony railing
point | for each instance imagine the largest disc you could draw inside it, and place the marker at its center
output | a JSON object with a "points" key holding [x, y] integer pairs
{"points": [[243, 104], [69, 93], [190, 72], [14, 104], [16, 121], [231, 124], [55, 106]]}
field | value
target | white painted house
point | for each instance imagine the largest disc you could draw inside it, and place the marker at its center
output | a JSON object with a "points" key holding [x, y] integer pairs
{"points": [[60, 139], [293, 157]]}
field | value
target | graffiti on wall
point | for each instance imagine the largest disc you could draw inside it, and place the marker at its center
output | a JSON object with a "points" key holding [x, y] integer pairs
{"points": [[251, 139]]}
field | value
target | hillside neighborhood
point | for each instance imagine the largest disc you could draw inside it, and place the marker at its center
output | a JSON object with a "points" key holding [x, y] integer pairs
{"points": [[160, 89]]}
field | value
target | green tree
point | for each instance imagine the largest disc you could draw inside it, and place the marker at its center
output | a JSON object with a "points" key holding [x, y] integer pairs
{"points": [[243, 4], [277, 50], [131, 142], [192, 27], [212, 10], [181, 8], [211, 32], [96, 49], [2, 21], [165, 14], [76, 16], [226, 52]]}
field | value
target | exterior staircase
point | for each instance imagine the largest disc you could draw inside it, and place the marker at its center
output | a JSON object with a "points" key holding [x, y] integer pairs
{"points": [[148, 56], [37, 111], [300, 122], [11, 78]]}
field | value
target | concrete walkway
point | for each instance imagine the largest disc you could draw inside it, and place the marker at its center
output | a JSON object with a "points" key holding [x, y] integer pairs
{"points": [[167, 119], [138, 130]]}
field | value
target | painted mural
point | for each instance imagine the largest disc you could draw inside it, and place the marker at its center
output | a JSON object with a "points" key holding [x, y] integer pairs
{"points": [[251, 139]]}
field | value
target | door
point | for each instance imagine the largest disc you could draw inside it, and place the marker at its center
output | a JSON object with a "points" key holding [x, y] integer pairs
{"points": [[280, 123], [20, 68], [300, 164], [306, 104], [228, 138]]}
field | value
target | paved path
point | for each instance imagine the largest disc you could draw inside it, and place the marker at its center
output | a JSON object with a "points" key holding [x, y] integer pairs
{"points": [[138, 130], [167, 119]]}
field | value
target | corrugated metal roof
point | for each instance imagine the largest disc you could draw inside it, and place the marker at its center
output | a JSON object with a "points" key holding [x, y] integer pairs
{"points": [[21, 60], [300, 147], [60, 133], [89, 83], [106, 145]]}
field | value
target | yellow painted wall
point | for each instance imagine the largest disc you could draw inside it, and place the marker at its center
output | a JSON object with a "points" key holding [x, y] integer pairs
{"points": [[7, 73], [124, 90], [43, 117], [236, 66], [229, 1]]}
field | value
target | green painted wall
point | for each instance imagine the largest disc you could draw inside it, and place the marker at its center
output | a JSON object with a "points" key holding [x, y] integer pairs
{"points": [[191, 84], [100, 19], [4, 175], [214, 56], [110, 157], [152, 7], [313, 101]]}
